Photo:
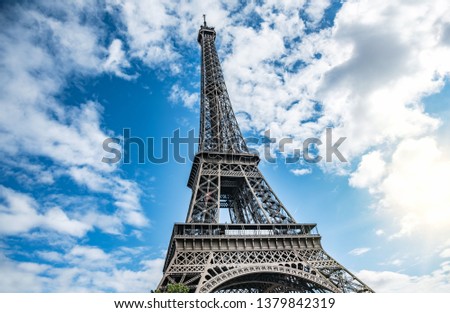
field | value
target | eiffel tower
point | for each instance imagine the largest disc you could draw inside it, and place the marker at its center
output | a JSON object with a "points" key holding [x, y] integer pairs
{"points": [[262, 249]]}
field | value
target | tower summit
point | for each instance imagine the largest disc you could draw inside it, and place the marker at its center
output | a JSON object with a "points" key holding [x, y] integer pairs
{"points": [[262, 249]]}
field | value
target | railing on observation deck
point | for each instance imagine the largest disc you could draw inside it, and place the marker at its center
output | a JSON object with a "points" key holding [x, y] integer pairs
{"points": [[243, 230]]}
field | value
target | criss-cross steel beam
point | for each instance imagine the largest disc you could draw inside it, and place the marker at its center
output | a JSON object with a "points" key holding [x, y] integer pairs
{"points": [[262, 249]]}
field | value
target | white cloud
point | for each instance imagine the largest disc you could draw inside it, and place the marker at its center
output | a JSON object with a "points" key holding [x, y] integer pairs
{"points": [[126, 194], [445, 253], [88, 257], [369, 76], [21, 276], [359, 251], [117, 61], [301, 171], [370, 170], [38, 57], [50, 256], [81, 269], [379, 232], [108, 223], [179, 94], [316, 9], [21, 215], [147, 26], [414, 189], [36, 70], [80, 49], [376, 87], [56, 219], [437, 281]]}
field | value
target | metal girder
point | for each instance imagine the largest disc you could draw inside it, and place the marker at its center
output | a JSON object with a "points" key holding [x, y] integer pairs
{"points": [[247, 258], [263, 249], [240, 188], [219, 130]]}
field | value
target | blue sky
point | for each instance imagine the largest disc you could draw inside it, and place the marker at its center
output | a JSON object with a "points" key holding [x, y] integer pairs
{"points": [[74, 74]]}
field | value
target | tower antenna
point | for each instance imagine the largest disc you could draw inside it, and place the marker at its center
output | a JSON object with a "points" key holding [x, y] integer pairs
{"points": [[204, 20]]}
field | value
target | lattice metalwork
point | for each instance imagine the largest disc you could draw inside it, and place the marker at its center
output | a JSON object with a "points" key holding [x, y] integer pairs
{"points": [[219, 131], [270, 283], [262, 249], [238, 187], [254, 257]]}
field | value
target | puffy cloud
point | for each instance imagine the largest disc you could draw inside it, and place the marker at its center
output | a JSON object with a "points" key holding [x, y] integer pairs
{"points": [[301, 171], [316, 9], [374, 91], [117, 61], [364, 76], [34, 74], [445, 253], [367, 78], [126, 193], [414, 191], [179, 94], [437, 281], [21, 214], [88, 257], [50, 256], [409, 189], [370, 170], [147, 28], [38, 57], [81, 269], [359, 251], [22, 276]]}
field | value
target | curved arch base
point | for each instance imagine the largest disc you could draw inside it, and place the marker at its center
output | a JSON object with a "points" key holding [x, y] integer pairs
{"points": [[267, 279], [269, 283]]}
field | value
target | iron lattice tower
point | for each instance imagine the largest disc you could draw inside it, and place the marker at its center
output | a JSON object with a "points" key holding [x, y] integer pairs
{"points": [[263, 249]]}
